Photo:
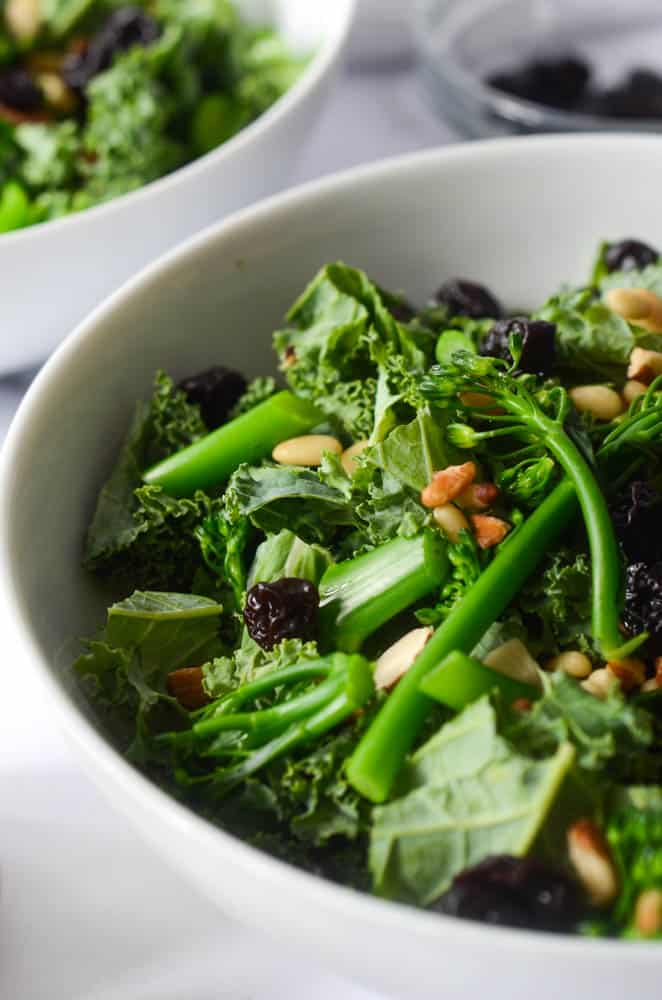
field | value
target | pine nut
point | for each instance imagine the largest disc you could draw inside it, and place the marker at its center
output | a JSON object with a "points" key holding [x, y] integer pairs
{"points": [[639, 306], [599, 682], [398, 658], [600, 401], [648, 912], [23, 18], [56, 92], [306, 450], [644, 365], [632, 390], [650, 685], [350, 455], [489, 530], [448, 483], [451, 520], [591, 858], [478, 497], [572, 662]]}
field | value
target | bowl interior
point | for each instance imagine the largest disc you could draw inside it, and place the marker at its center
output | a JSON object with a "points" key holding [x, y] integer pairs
{"points": [[520, 217]]}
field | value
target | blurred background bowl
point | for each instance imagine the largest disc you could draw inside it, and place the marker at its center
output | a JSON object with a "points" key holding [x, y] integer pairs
{"points": [[463, 42], [52, 274], [521, 216]]}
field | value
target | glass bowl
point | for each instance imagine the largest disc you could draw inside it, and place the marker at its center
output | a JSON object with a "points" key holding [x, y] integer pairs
{"points": [[463, 42]]}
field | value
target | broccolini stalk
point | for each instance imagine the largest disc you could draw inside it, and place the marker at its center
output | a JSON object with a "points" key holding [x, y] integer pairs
{"points": [[639, 432], [261, 735], [524, 417], [381, 753], [361, 594], [248, 438]]}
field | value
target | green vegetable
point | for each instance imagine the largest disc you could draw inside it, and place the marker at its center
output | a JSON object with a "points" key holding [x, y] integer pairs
{"points": [[460, 679], [286, 555], [342, 684], [216, 119], [609, 734], [466, 796], [449, 343], [14, 207], [140, 536], [380, 755], [361, 594], [634, 833], [50, 154], [525, 418], [247, 438]]}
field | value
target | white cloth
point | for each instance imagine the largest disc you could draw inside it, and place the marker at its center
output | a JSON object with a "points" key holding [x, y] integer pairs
{"points": [[87, 912]]}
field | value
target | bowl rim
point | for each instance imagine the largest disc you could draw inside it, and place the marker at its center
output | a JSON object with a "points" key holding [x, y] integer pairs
{"points": [[319, 66], [99, 755], [518, 111]]}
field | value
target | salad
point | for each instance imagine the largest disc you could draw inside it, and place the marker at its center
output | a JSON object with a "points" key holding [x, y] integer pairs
{"points": [[400, 622], [98, 97]]}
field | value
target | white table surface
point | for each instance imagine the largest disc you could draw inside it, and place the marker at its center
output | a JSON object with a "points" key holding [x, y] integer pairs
{"points": [[86, 911]]}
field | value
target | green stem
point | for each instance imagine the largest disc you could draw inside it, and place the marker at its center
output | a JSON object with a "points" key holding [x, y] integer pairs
{"points": [[357, 596], [249, 438], [381, 753]]}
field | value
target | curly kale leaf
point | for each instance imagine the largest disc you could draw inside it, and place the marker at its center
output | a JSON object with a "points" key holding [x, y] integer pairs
{"points": [[341, 336], [591, 339], [140, 536], [634, 832], [126, 137], [559, 596], [49, 155], [609, 736], [466, 565], [123, 672]]}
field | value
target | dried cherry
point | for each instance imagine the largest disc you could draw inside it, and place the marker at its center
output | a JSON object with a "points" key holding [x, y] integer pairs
{"points": [[514, 892], [538, 343], [216, 391], [466, 298], [284, 609], [629, 255], [125, 28]]}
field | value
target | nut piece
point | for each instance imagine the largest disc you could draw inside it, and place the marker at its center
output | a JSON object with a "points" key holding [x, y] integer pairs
{"points": [[306, 450], [572, 662], [448, 484], [451, 520], [23, 18], [478, 497], [591, 858], [599, 682], [350, 455], [56, 92], [489, 530], [637, 305], [398, 658], [630, 672], [644, 365], [600, 401], [632, 390], [186, 686], [513, 659], [648, 912]]}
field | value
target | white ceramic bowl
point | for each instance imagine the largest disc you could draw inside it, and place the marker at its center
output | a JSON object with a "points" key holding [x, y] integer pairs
{"points": [[521, 215], [53, 274]]}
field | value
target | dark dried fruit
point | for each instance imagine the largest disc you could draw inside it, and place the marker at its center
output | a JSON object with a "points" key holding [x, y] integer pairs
{"points": [[216, 391], [538, 343], [636, 515], [643, 603], [284, 609], [639, 96], [557, 83], [401, 310], [125, 28], [514, 892], [629, 255], [466, 298], [19, 91]]}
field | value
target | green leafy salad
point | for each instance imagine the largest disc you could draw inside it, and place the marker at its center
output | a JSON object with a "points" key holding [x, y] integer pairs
{"points": [[98, 97], [400, 622]]}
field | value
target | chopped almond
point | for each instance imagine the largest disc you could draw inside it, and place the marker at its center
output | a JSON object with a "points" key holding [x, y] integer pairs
{"points": [[478, 497], [489, 531], [448, 484], [630, 672], [186, 686]]}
